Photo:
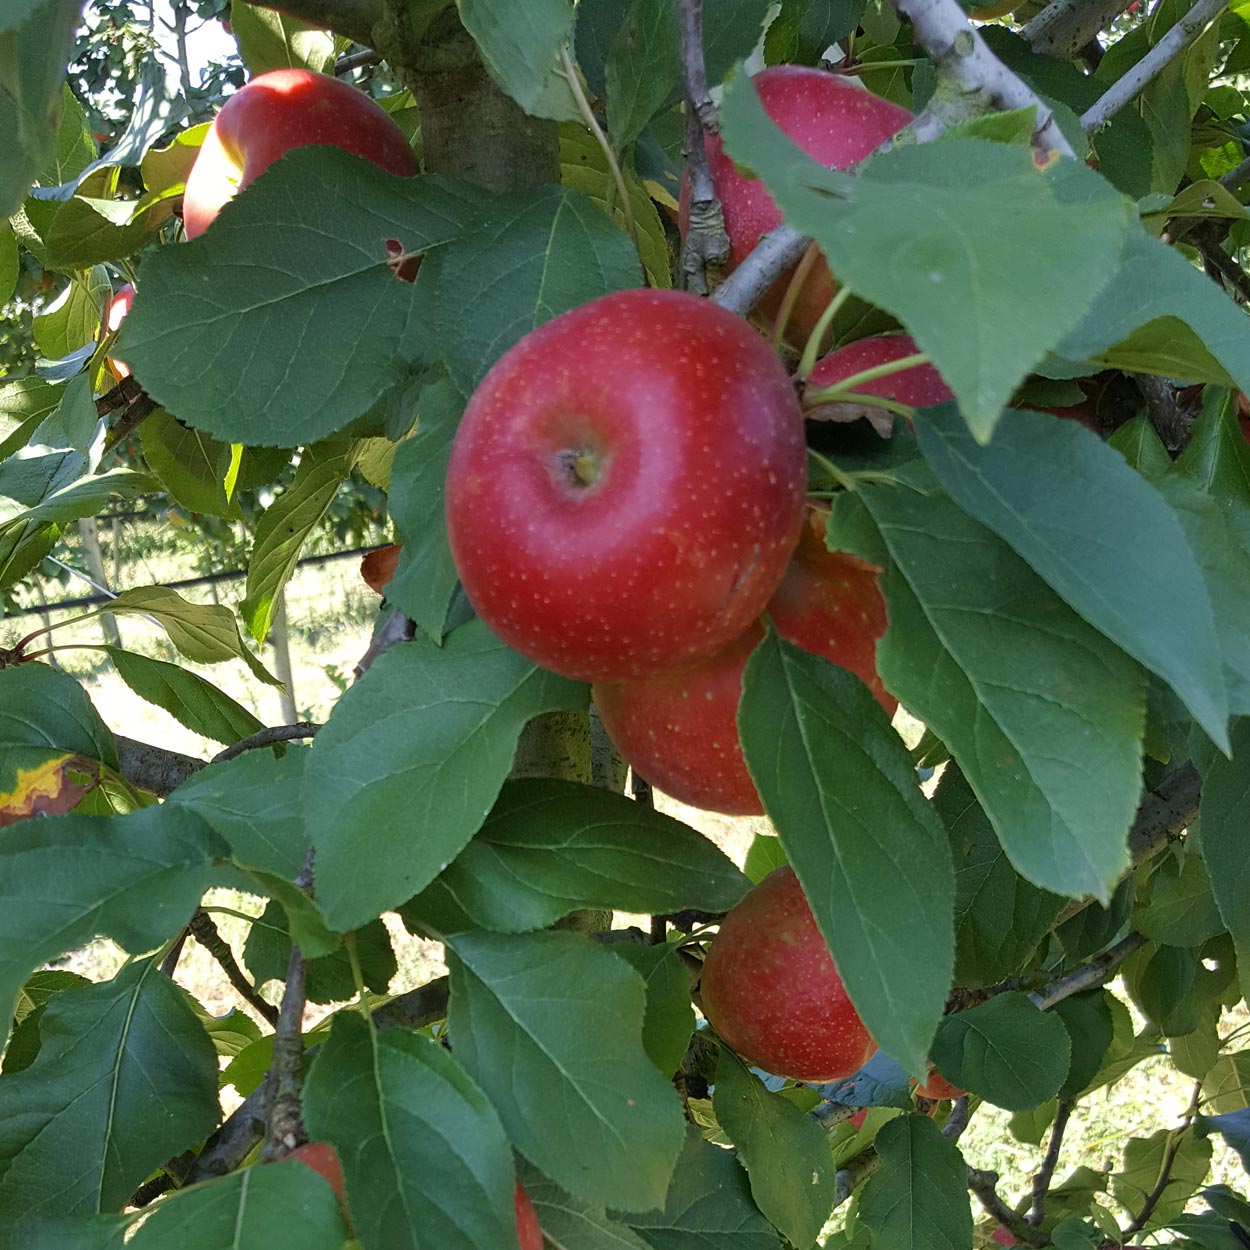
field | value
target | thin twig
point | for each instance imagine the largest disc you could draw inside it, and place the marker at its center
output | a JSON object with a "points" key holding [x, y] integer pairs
{"points": [[854, 1174], [1089, 975], [984, 1185], [1210, 248], [267, 738], [356, 60], [958, 1119], [157, 770], [169, 965], [1170, 1152], [1064, 27], [777, 251], [1132, 83], [1171, 422], [204, 929], [1046, 1173], [963, 58], [395, 629], [706, 242]]}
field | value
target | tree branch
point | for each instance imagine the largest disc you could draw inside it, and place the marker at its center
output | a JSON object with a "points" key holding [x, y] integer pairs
{"points": [[203, 928], [1170, 1152], [267, 737], [1046, 1173], [706, 242], [1152, 64], [1171, 422], [958, 1119], [777, 251], [984, 1185], [284, 1120], [238, 1136], [962, 58], [1087, 976], [856, 1172], [395, 629], [157, 770], [1064, 27]]}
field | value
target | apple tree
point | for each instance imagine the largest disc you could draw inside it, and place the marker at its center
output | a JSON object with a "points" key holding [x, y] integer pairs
{"points": [[770, 367]]}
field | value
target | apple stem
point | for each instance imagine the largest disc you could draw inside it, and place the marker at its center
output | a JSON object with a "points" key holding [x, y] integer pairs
{"points": [[802, 269], [839, 476], [811, 349], [592, 123]]}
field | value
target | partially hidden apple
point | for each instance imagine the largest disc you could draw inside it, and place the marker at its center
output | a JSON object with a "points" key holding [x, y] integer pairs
{"points": [[528, 1231], [278, 111], [937, 1088], [378, 567], [324, 1160], [679, 730], [626, 486], [836, 122], [917, 386], [119, 306], [770, 989]]}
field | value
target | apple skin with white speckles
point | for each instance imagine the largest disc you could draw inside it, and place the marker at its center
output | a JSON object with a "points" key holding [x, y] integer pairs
{"points": [[836, 122], [626, 486], [770, 989], [918, 387], [278, 111], [680, 729]]}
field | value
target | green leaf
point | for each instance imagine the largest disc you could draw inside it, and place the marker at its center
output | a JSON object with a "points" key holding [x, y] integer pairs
{"points": [[803, 29], [521, 47], [278, 1204], [285, 525], [299, 256], [10, 263], [270, 40], [538, 1021], [73, 318], [45, 714], [195, 468], [1044, 486], [919, 1194], [573, 1224], [82, 231], [868, 849], [709, 1203], [426, 576], [1005, 1050], [785, 1152], [1143, 1160], [584, 167], [25, 403], [125, 1079], [669, 1020], [1000, 918], [550, 847], [429, 732], [526, 260], [922, 210], [763, 856], [85, 496], [1180, 909], [1042, 713], [1074, 1234], [1159, 314], [1195, 1053], [1138, 442], [205, 633], [32, 1002], [329, 979], [644, 63], [1217, 460], [199, 705], [64, 880], [1211, 526], [1226, 842], [1088, 1020], [254, 802], [424, 1157], [36, 38]]}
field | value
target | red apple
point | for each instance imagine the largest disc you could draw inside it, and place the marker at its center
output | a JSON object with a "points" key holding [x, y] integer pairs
{"points": [[829, 603], [1003, 1237], [626, 486], [528, 1232], [278, 111], [680, 729], [917, 387], [836, 122], [378, 567], [323, 1159], [770, 989], [118, 309]]}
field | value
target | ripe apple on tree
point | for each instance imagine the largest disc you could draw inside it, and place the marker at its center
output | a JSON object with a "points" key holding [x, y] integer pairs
{"points": [[680, 729], [836, 122], [771, 991], [278, 111], [119, 306], [626, 486]]}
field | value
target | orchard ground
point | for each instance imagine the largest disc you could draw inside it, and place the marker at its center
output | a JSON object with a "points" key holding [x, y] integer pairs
{"points": [[331, 615]]}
